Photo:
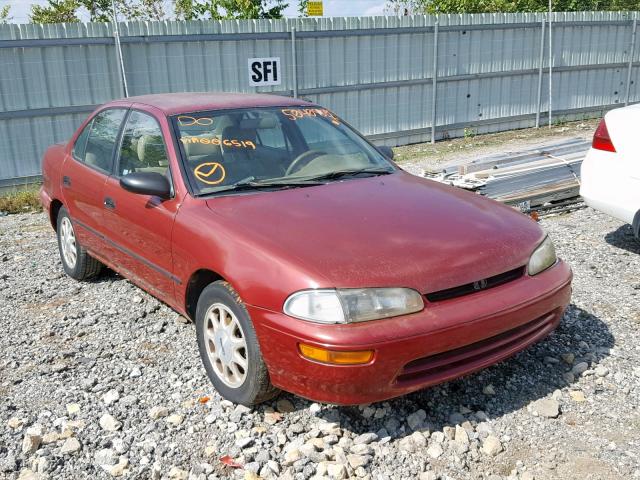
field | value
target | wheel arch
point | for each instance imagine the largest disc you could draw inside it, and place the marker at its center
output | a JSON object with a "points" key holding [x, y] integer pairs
{"points": [[54, 209], [636, 224], [198, 281]]}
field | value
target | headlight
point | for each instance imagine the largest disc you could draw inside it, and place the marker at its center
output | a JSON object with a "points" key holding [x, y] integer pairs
{"points": [[352, 304], [542, 258]]}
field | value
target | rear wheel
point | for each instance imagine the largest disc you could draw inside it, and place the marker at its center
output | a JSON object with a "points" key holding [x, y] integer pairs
{"points": [[77, 263], [229, 347]]}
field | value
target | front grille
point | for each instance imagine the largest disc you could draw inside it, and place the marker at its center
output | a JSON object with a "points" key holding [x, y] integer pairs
{"points": [[456, 362], [473, 287]]}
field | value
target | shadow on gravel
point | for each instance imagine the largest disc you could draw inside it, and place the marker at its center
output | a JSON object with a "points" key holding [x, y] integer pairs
{"points": [[517, 382], [623, 238]]}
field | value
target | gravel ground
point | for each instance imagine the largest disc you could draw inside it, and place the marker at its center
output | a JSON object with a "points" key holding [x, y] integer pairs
{"points": [[99, 380]]}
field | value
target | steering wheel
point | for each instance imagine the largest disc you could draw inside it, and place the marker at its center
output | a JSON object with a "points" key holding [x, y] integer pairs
{"points": [[307, 157]]}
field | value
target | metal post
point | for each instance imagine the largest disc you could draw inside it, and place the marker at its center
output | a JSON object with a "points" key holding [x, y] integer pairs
{"points": [[434, 82], [550, 67], [632, 51], [294, 62], [116, 33], [540, 72]]}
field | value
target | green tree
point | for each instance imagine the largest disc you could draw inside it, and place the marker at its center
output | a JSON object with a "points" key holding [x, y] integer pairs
{"points": [[56, 11], [302, 8], [229, 9], [487, 6], [4, 14]]}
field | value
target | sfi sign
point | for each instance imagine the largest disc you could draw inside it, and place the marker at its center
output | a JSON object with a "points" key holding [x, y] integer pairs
{"points": [[264, 71]]}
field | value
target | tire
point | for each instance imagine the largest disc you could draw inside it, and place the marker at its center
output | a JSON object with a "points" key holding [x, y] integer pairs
{"points": [[231, 355], [77, 263]]}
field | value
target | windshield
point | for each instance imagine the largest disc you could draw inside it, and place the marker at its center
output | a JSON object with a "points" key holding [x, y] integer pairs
{"points": [[259, 147]]}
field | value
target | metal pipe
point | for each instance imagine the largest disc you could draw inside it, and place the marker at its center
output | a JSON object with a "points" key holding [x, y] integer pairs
{"points": [[540, 72], [116, 33], [434, 83], [550, 66], [294, 62], [632, 51]]}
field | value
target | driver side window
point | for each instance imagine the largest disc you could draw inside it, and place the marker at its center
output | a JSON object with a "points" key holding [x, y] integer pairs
{"points": [[143, 148]]}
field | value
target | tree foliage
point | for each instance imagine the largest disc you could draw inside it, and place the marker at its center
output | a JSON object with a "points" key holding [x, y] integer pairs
{"points": [[486, 6], [4, 14], [66, 11], [229, 9]]}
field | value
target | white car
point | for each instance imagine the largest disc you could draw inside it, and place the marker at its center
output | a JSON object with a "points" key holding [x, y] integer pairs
{"points": [[611, 170]]}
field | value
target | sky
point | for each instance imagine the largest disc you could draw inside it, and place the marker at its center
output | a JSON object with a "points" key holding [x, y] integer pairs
{"points": [[332, 8]]}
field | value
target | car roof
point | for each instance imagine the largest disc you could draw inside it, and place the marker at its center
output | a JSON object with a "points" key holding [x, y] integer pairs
{"points": [[176, 103]]}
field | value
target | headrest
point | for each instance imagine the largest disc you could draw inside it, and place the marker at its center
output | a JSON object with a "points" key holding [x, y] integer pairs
{"points": [[151, 151], [258, 123], [240, 134], [199, 148]]}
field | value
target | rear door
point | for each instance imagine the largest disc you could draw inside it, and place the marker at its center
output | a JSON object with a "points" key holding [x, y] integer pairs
{"points": [[85, 172], [141, 225]]}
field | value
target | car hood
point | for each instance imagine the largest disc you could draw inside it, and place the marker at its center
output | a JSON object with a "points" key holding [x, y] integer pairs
{"points": [[392, 230]]}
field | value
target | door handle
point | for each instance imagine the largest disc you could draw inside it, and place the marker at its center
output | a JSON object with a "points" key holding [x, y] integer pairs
{"points": [[66, 181], [109, 203]]}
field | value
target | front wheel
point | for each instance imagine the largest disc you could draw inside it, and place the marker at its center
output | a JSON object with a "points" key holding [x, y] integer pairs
{"points": [[229, 347], [77, 263]]}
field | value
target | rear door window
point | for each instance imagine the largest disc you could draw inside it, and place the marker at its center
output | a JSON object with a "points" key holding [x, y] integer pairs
{"points": [[100, 140]]}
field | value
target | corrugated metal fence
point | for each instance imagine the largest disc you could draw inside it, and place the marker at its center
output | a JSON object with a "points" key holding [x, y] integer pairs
{"points": [[396, 79]]}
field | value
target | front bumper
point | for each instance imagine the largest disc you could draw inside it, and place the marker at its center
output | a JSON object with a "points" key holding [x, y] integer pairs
{"points": [[446, 340]]}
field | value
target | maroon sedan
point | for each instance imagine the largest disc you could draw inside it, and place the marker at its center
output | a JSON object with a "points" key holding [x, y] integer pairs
{"points": [[308, 260]]}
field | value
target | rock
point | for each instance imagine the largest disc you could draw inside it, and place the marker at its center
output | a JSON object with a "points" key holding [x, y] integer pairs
{"points": [[358, 460], [427, 476], [175, 420], [437, 437], [456, 418], [489, 390], [119, 469], [492, 446], [70, 445], [158, 412], [546, 407], [245, 442], [569, 377], [580, 368], [135, 373], [285, 406], [110, 423], [416, 419], [568, 358], [435, 450], [461, 436], [112, 396], [73, 408], [365, 438], [292, 456], [176, 473], [601, 371], [27, 474], [15, 423], [105, 458], [336, 471], [31, 443], [50, 437], [577, 396], [527, 476]]}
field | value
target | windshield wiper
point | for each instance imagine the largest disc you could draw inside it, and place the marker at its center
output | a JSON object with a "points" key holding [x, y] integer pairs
{"points": [[251, 183], [350, 173]]}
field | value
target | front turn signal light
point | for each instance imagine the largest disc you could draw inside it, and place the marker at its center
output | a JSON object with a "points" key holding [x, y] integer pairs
{"points": [[334, 357]]}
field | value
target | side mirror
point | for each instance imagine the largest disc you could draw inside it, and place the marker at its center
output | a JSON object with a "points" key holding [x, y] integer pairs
{"points": [[147, 183], [386, 151]]}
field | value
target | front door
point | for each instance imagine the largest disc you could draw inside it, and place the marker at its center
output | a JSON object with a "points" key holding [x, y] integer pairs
{"points": [[141, 225], [84, 174]]}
